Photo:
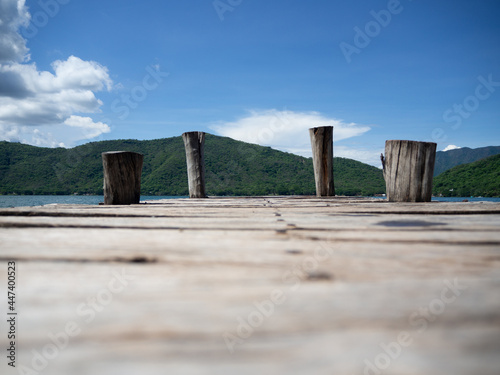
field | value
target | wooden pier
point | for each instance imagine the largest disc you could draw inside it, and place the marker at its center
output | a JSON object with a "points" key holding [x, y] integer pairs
{"points": [[265, 285]]}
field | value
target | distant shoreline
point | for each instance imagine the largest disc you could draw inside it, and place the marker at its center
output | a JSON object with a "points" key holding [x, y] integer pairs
{"points": [[7, 201]]}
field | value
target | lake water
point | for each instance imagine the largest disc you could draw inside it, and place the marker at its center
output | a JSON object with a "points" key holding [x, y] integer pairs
{"points": [[39, 200]]}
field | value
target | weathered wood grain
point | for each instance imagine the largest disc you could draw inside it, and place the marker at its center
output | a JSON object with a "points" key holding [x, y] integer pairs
{"points": [[122, 177], [408, 170], [352, 276], [194, 143], [322, 152]]}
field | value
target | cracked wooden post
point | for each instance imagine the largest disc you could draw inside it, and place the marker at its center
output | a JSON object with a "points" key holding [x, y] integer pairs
{"points": [[408, 169], [122, 177], [322, 152], [194, 143]]}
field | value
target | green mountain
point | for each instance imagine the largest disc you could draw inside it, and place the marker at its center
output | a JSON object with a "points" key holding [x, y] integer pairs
{"points": [[232, 168], [481, 178], [449, 159]]}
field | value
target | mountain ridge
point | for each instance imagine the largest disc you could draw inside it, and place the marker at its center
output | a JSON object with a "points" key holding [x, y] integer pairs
{"points": [[446, 160], [480, 178], [232, 168]]}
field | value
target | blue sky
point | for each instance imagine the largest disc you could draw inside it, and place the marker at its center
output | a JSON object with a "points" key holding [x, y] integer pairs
{"points": [[262, 71]]}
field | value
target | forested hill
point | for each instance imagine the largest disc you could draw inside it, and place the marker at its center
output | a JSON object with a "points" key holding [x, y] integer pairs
{"points": [[449, 159], [232, 168], [481, 178]]}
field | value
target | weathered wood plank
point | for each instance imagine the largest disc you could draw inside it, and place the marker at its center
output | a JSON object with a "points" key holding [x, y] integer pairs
{"points": [[349, 277], [307, 205], [179, 313]]}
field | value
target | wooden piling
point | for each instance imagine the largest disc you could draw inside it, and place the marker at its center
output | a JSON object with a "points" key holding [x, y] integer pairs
{"points": [[194, 143], [122, 177], [322, 152], [408, 169]]}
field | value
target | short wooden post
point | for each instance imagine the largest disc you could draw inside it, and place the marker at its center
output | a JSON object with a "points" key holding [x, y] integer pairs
{"points": [[122, 177], [194, 143], [408, 170], [322, 152]]}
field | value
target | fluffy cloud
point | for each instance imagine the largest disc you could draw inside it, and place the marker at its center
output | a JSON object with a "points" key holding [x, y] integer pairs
{"points": [[13, 14], [368, 156], [92, 129], [285, 130], [35, 105], [31, 97], [451, 147]]}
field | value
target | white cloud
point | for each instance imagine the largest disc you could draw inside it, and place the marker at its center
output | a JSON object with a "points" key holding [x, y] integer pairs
{"points": [[284, 129], [91, 128], [288, 131], [42, 139], [10, 133], [83, 74], [451, 147], [34, 97], [49, 101], [13, 14], [371, 157], [74, 130]]}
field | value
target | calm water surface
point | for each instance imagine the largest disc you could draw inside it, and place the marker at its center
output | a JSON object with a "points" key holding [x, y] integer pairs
{"points": [[39, 200]]}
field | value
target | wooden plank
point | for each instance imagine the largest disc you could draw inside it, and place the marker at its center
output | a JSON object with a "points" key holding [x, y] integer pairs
{"points": [[311, 206], [258, 285]]}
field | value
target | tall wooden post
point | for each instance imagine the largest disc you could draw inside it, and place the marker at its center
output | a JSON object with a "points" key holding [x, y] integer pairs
{"points": [[122, 177], [408, 170], [194, 143], [322, 152]]}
